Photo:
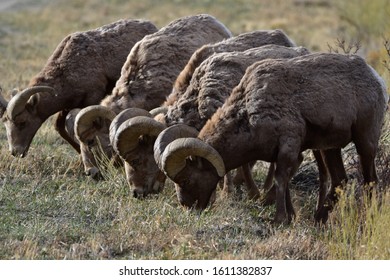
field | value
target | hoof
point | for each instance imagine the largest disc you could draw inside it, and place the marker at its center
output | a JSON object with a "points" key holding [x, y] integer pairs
{"points": [[268, 199], [282, 220], [322, 215]]}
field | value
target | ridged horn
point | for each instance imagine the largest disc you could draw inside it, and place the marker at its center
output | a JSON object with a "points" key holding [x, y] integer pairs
{"points": [[168, 135], [126, 138], [159, 110], [123, 116], [86, 117], [175, 154], [17, 103]]}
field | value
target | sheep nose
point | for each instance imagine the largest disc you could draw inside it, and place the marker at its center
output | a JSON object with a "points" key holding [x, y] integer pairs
{"points": [[137, 193], [94, 172], [17, 152]]}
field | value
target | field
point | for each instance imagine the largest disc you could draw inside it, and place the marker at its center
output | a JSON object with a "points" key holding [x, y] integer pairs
{"points": [[50, 210]]}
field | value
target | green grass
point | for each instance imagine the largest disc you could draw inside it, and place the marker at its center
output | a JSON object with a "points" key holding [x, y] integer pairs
{"points": [[50, 210], [359, 228]]}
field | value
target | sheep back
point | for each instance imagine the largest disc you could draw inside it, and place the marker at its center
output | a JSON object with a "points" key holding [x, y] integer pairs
{"points": [[214, 80], [321, 95], [86, 65], [154, 63], [238, 43]]}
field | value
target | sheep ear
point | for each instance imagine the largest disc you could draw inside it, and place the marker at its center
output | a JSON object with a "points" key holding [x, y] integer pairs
{"points": [[32, 103]]}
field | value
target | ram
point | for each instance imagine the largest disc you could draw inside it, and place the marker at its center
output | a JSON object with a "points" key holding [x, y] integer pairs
{"points": [[147, 78], [281, 108], [210, 85], [82, 70]]}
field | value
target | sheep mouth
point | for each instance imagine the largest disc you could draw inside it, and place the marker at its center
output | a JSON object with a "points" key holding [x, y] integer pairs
{"points": [[18, 153], [142, 192]]}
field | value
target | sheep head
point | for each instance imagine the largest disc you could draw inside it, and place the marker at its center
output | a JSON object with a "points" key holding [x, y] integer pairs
{"points": [[22, 118], [134, 142], [92, 131], [195, 167]]}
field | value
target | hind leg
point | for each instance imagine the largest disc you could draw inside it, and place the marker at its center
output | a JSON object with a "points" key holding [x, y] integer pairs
{"points": [[335, 165], [323, 177], [367, 161], [366, 139], [366, 146]]}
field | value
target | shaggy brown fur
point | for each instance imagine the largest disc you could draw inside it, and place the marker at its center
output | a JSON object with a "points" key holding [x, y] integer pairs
{"points": [[283, 107], [212, 83], [153, 65], [238, 43], [214, 80], [82, 70], [155, 62]]}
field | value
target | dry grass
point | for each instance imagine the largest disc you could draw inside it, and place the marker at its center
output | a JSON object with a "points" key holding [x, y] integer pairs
{"points": [[49, 210]]}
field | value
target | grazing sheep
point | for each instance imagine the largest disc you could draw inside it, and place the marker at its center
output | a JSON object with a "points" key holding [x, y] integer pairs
{"points": [[210, 85], [147, 77], [281, 108], [82, 70], [241, 42]]}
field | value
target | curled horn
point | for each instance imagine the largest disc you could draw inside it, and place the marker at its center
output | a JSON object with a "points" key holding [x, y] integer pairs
{"points": [[123, 116], [174, 157], [168, 135], [86, 117], [127, 135], [158, 110], [17, 103]]}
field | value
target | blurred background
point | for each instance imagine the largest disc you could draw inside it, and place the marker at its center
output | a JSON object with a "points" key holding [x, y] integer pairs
{"points": [[31, 29]]}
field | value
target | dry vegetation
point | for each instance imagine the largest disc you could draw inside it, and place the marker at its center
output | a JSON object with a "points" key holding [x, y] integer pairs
{"points": [[49, 210]]}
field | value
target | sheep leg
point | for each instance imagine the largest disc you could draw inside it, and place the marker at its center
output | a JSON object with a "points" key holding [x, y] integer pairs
{"points": [[367, 162], [253, 191], [369, 173], [270, 176], [228, 183], [286, 166], [269, 197], [239, 178], [366, 146], [323, 178], [60, 127], [335, 165]]}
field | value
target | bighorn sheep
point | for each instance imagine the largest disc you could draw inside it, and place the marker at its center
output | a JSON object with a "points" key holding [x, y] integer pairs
{"points": [[281, 108], [147, 78], [210, 85], [82, 70]]}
